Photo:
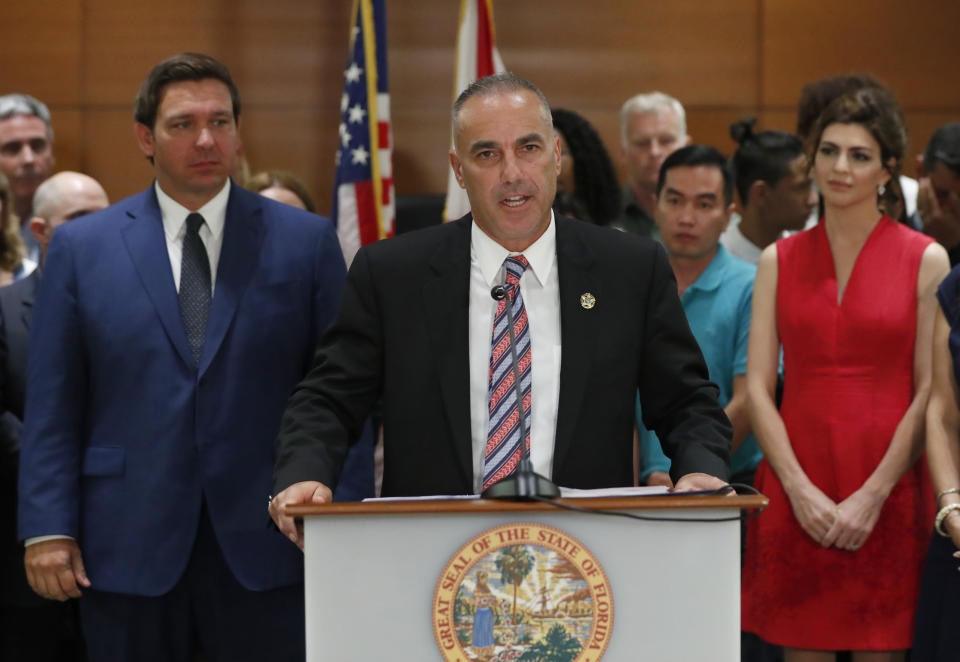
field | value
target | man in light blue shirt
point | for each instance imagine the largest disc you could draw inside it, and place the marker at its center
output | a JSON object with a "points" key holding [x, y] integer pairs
{"points": [[694, 203]]}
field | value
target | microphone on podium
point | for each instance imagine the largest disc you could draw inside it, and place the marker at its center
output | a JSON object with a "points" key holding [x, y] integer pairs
{"points": [[524, 484]]}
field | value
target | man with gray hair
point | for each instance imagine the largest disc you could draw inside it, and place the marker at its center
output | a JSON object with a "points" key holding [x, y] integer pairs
{"points": [[652, 127], [31, 627], [26, 155]]}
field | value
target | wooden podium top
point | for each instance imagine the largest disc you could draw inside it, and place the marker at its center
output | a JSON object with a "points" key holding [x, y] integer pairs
{"points": [[489, 506]]}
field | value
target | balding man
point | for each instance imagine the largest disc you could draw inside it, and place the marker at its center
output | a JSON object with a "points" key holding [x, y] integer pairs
{"points": [[26, 156], [417, 320], [32, 628], [63, 197]]}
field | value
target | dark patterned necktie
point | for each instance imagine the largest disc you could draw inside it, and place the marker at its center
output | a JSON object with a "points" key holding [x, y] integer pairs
{"points": [[503, 452], [195, 288]]}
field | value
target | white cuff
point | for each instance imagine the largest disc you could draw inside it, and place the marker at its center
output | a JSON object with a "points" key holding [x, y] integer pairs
{"points": [[35, 540]]}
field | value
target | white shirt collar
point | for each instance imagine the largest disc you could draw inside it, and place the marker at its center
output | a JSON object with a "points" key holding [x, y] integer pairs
{"points": [[489, 255], [174, 214]]}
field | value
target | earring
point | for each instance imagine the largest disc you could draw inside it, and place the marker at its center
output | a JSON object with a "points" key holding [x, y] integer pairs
{"points": [[881, 190]]}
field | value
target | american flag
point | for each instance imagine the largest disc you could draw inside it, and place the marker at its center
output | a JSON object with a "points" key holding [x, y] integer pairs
{"points": [[363, 207], [477, 57]]}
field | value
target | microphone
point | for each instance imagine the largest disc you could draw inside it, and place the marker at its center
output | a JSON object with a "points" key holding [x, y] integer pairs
{"points": [[524, 484]]}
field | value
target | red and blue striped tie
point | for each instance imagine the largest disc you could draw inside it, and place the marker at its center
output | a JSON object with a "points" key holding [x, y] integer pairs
{"points": [[503, 433]]}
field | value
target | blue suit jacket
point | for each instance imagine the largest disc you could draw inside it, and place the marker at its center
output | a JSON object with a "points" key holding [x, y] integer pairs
{"points": [[124, 434]]}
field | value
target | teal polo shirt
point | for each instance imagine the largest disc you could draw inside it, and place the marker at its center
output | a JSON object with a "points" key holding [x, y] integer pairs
{"points": [[717, 306]]}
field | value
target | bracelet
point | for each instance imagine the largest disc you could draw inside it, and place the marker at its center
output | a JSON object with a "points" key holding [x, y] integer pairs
{"points": [[942, 514], [943, 493]]}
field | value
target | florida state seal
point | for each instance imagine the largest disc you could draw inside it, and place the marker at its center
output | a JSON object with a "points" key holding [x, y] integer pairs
{"points": [[523, 587]]}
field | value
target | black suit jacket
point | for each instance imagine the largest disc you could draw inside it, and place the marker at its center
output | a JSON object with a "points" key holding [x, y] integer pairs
{"points": [[402, 332], [16, 311]]}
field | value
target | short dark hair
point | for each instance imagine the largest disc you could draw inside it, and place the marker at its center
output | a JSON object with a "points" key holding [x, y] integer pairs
{"points": [[182, 67], [944, 146], [819, 94], [764, 156], [698, 155], [502, 82]]}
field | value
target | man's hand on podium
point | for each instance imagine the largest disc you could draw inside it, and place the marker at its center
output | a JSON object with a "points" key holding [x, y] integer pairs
{"points": [[696, 482], [55, 569], [309, 491], [660, 478]]}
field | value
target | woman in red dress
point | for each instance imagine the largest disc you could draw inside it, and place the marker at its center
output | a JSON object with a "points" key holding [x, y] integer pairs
{"points": [[834, 563]]}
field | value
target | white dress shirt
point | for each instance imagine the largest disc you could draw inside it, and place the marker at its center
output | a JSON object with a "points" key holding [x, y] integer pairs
{"points": [[174, 217], [540, 288]]}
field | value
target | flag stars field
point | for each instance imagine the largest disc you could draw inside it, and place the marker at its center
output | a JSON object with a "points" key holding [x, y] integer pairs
{"points": [[357, 114], [352, 74], [360, 155]]}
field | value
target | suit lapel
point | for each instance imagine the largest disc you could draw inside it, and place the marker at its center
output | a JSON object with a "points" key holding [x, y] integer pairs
{"points": [[147, 245], [242, 236], [579, 329], [446, 297]]}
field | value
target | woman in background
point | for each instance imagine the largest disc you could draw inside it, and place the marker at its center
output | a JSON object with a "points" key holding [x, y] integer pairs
{"points": [[834, 562], [283, 187], [587, 186]]}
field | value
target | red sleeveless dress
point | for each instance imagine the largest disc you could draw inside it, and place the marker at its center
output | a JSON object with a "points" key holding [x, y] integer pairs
{"points": [[848, 380]]}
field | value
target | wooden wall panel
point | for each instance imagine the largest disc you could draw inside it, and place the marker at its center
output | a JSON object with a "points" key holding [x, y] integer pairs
{"points": [[421, 153], [588, 59], [286, 52], [422, 38], [41, 48], [124, 40], [911, 46], [712, 126], [604, 51], [86, 58], [111, 154], [69, 137], [300, 140]]}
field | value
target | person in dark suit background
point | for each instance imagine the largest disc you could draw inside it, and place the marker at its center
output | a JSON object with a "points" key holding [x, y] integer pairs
{"points": [[415, 326], [169, 331], [33, 628]]}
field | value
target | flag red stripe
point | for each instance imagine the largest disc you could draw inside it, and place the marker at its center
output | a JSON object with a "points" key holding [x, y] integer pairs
{"points": [[383, 138], [366, 212], [484, 41]]}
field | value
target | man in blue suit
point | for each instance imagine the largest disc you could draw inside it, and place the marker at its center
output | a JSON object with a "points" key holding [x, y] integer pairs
{"points": [[169, 331]]}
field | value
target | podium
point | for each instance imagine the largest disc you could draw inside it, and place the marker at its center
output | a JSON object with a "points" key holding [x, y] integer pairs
{"points": [[443, 580]]}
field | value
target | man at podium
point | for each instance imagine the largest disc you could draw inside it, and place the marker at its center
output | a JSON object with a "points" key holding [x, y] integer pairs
{"points": [[595, 314]]}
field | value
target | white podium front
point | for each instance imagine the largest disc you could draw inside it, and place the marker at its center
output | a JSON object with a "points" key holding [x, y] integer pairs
{"points": [[382, 579]]}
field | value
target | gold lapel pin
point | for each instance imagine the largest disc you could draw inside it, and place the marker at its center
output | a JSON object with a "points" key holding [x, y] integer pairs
{"points": [[587, 301]]}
